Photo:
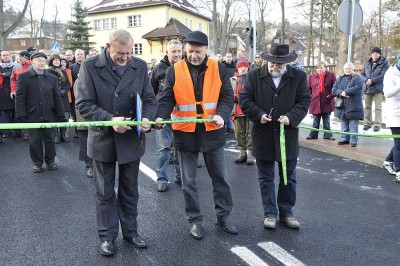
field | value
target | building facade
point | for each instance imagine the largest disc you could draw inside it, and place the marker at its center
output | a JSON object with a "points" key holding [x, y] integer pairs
{"points": [[151, 23]]}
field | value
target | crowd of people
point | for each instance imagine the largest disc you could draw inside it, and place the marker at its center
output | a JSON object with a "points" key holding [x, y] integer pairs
{"points": [[249, 99]]}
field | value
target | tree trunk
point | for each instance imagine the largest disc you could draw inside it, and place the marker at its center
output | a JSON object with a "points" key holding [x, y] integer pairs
{"points": [[380, 24], [214, 28], [310, 37], [5, 32], [283, 21], [321, 31]]}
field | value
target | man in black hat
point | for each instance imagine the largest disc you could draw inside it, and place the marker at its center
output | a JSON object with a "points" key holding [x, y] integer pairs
{"points": [[38, 100], [273, 94], [199, 87], [372, 75]]}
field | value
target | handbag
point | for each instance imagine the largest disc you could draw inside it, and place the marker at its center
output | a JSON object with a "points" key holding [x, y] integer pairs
{"points": [[339, 103]]}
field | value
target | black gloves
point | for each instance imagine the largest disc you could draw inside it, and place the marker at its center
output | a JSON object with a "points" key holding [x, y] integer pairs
{"points": [[21, 119]]}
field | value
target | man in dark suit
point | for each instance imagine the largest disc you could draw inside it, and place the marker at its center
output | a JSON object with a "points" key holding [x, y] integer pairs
{"points": [[274, 94], [106, 93], [38, 100]]}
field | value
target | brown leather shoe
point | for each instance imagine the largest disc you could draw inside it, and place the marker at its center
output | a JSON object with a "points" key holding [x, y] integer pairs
{"points": [[242, 157]]}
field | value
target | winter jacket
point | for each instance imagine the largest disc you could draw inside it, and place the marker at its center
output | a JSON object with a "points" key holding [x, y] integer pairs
{"points": [[200, 140], [38, 98], [374, 71], [237, 83], [352, 107], [6, 102], [391, 88], [63, 86], [18, 69], [260, 96], [158, 75], [321, 103]]}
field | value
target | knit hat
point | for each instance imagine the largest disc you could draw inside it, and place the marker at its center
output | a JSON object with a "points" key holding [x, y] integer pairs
{"points": [[242, 61], [25, 54], [376, 50]]}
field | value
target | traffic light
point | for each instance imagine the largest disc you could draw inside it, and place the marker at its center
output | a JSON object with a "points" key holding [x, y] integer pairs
{"points": [[250, 33]]}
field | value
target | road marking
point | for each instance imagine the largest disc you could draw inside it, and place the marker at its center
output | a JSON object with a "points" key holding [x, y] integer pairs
{"points": [[280, 254], [248, 256], [232, 150], [148, 171]]}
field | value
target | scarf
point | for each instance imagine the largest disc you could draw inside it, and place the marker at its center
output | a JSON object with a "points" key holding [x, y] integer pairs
{"points": [[321, 82], [59, 72]]}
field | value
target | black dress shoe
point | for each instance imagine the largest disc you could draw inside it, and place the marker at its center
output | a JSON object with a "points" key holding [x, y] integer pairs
{"points": [[52, 166], [196, 231], [107, 248], [136, 241], [343, 142], [37, 169], [227, 226]]}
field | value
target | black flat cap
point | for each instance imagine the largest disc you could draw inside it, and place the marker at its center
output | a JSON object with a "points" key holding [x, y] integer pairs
{"points": [[39, 54], [197, 37]]}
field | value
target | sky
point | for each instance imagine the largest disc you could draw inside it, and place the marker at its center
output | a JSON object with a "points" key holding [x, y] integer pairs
{"points": [[65, 8]]}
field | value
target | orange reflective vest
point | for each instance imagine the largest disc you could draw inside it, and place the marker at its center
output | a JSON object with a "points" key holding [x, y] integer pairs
{"points": [[185, 99]]}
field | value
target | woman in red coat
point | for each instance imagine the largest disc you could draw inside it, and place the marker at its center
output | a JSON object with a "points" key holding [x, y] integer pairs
{"points": [[320, 85]]}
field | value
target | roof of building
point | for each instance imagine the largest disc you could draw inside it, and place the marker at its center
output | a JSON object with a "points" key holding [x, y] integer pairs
{"points": [[116, 5], [173, 30]]}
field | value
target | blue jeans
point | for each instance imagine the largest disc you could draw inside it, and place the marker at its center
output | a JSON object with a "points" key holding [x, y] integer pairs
{"points": [[349, 126], [394, 154], [326, 124], [286, 194], [5, 118], [229, 123], [163, 143]]}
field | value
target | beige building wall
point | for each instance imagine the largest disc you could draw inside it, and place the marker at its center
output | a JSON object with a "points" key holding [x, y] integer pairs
{"points": [[152, 18]]}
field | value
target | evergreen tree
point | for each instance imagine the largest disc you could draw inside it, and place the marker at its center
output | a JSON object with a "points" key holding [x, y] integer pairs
{"points": [[78, 30]]}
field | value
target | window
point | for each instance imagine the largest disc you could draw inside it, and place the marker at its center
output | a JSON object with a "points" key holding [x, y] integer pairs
{"points": [[200, 26], [134, 20], [138, 49], [22, 42], [188, 23], [105, 24]]}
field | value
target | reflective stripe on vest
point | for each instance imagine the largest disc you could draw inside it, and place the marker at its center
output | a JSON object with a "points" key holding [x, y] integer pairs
{"points": [[185, 99]]}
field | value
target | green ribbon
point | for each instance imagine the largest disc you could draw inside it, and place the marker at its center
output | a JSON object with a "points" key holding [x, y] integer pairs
{"points": [[95, 123], [382, 136], [283, 151]]}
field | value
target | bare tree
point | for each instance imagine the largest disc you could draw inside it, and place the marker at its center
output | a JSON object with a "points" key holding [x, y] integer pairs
{"points": [[5, 32], [36, 26], [282, 3]]}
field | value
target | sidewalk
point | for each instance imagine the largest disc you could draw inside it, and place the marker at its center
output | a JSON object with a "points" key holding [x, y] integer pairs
{"points": [[369, 150]]}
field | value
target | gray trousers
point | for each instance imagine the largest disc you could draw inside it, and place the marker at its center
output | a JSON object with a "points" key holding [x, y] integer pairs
{"points": [[112, 210], [216, 167]]}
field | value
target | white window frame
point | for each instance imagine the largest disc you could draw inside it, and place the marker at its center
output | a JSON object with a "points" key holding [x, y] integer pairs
{"points": [[135, 20], [200, 26], [138, 49]]}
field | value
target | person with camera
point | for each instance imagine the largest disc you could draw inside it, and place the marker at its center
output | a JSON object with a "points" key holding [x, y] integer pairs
{"points": [[348, 106]]}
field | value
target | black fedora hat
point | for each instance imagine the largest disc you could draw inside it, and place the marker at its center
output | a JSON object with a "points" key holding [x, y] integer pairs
{"points": [[279, 53]]}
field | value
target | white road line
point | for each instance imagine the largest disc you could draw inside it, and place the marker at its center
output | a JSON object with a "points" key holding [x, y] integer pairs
{"points": [[148, 171], [232, 150], [280, 254], [248, 256]]}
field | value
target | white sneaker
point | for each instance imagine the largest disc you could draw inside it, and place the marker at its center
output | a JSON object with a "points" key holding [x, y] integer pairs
{"points": [[270, 223], [398, 177], [389, 166]]}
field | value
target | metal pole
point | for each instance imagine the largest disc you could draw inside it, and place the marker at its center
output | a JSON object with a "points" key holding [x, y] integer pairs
{"points": [[351, 32], [254, 31]]}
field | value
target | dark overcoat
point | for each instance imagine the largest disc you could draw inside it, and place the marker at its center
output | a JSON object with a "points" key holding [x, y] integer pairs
{"points": [[292, 99], [321, 103], [6, 102], [37, 97], [64, 87], [102, 95], [352, 107]]}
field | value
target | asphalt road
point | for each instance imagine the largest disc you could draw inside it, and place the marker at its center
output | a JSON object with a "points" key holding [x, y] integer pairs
{"points": [[349, 214]]}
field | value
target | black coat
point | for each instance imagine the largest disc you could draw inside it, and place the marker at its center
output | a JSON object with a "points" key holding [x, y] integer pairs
{"points": [[158, 75], [38, 98], [292, 99], [200, 140], [64, 87], [6, 102], [352, 107]]}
